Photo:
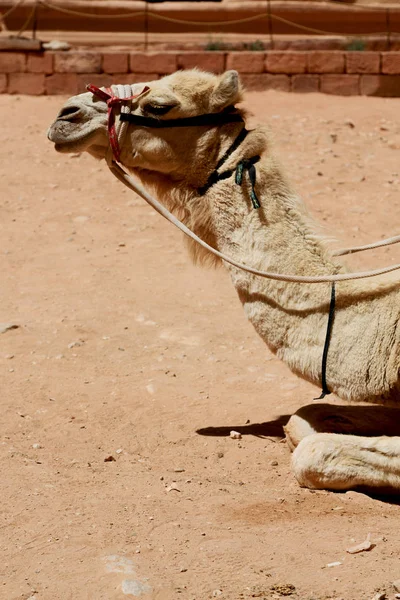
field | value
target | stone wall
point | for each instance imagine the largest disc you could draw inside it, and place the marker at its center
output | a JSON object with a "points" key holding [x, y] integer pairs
{"points": [[331, 72]]}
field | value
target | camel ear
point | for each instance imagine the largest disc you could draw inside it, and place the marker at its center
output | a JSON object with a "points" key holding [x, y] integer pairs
{"points": [[227, 91]]}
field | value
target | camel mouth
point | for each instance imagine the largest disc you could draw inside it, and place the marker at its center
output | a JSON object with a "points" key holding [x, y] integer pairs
{"points": [[68, 136]]}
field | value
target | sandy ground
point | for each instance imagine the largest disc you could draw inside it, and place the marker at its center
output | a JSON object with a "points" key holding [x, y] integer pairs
{"points": [[126, 350]]}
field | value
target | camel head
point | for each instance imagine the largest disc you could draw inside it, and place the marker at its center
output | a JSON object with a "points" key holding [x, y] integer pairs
{"points": [[81, 125]]}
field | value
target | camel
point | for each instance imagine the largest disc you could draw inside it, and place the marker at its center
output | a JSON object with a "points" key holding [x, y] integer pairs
{"points": [[227, 186]]}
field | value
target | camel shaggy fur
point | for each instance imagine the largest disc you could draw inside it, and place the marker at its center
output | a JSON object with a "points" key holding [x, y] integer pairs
{"points": [[364, 353]]}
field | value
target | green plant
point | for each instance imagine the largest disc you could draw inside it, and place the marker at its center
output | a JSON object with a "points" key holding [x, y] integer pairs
{"points": [[356, 45], [215, 45], [254, 46]]}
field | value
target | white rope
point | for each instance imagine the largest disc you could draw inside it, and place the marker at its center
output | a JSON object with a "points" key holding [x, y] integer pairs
{"points": [[387, 242], [121, 175], [127, 180]]}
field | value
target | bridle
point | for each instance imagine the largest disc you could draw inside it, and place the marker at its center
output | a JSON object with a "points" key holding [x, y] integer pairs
{"points": [[122, 98]]}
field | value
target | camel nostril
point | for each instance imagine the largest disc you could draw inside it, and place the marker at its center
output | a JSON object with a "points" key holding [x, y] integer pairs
{"points": [[68, 113]]}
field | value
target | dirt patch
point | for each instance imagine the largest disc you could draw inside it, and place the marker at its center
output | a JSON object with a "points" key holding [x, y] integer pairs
{"points": [[130, 367]]}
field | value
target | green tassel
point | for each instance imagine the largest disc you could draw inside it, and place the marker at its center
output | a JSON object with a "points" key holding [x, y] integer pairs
{"points": [[254, 199], [239, 174]]}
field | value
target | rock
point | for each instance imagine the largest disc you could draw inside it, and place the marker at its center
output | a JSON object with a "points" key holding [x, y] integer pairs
{"points": [[36, 446], [362, 547], [349, 123], [396, 585], [283, 589], [56, 45], [274, 463], [7, 327], [217, 593], [109, 459], [235, 435], [74, 344], [334, 564], [172, 488], [380, 596]]}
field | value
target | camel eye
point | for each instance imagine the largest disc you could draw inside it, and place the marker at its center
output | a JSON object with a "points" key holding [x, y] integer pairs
{"points": [[157, 109]]}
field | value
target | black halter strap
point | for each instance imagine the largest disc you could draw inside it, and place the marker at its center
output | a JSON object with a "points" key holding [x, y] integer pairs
{"points": [[210, 119], [325, 389], [243, 165], [226, 116]]}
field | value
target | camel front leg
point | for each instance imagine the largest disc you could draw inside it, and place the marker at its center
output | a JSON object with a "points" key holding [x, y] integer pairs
{"points": [[342, 447], [346, 462]]}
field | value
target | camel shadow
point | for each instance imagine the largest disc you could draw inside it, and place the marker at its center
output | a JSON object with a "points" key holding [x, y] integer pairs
{"points": [[261, 430], [361, 420]]}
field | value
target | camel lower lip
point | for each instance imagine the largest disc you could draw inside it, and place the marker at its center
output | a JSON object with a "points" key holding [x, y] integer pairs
{"points": [[62, 147]]}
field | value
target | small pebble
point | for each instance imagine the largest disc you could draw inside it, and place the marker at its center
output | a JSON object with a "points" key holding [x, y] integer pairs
{"points": [[36, 446], [334, 564], [7, 327], [274, 463], [182, 570], [109, 459], [172, 488], [179, 470], [119, 451], [74, 344], [235, 435], [217, 593]]}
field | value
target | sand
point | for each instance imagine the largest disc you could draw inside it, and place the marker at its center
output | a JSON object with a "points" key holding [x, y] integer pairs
{"points": [[130, 367]]}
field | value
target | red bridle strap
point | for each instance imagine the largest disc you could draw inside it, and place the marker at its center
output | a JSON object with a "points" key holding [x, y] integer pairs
{"points": [[111, 100]]}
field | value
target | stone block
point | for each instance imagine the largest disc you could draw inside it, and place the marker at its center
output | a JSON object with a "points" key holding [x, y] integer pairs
{"points": [[266, 81], [246, 62], [340, 85], [98, 79], [77, 62], [115, 62], [3, 83], [136, 78], [40, 63], [12, 62], [286, 62], [390, 63], [26, 83], [363, 62], [305, 83], [206, 61], [325, 62], [62, 83], [162, 63], [380, 85]]}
